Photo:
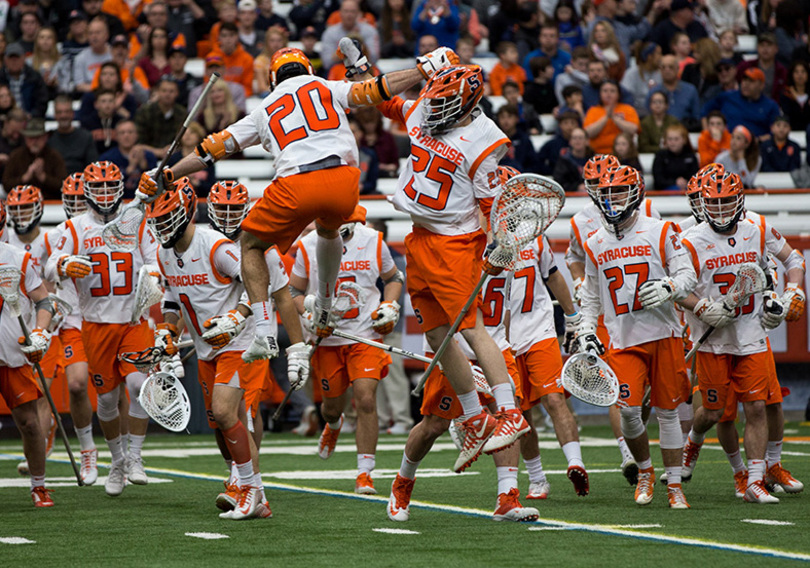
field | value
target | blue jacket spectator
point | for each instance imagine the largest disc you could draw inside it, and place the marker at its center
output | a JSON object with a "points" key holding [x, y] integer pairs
{"points": [[549, 40], [681, 19], [438, 18], [597, 74], [552, 150], [521, 154], [683, 98], [747, 106], [779, 154]]}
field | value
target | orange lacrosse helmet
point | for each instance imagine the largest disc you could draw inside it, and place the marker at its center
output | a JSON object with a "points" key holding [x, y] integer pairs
{"points": [[169, 215], [593, 170], [505, 173], [103, 187], [228, 205], [73, 201], [723, 200], [693, 187], [288, 62], [24, 204], [621, 191], [450, 96]]}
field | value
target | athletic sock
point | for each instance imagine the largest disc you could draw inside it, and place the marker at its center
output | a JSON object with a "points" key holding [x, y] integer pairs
{"points": [[85, 436], [366, 463], [262, 312], [534, 467], [573, 453], [736, 462], [37, 481], [504, 397], [116, 446], [673, 474], [696, 438], [407, 468], [685, 437], [756, 471], [135, 445], [328, 253], [336, 425], [624, 449], [773, 455], [257, 482], [234, 473], [645, 464], [470, 404], [507, 478]]}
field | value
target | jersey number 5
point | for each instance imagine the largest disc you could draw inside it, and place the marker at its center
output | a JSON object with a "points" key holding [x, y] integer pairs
{"points": [[439, 170], [322, 117], [616, 276]]}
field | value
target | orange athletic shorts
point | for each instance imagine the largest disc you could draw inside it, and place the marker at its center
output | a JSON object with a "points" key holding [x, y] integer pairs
{"points": [[659, 363], [271, 392], [52, 362], [221, 369], [540, 367], [774, 390], [72, 346], [18, 386], [442, 274], [739, 377], [289, 204], [602, 332], [108, 340], [337, 366]]}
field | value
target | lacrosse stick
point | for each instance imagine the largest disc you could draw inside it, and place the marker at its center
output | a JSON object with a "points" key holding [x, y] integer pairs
{"points": [[148, 291], [165, 400], [590, 379], [121, 234], [10, 292], [61, 310], [523, 210], [150, 357], [348, 296], [750, 280]]}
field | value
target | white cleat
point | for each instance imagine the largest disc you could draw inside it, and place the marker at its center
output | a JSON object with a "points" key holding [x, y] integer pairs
{"points": [[782, 480], [116, 480], [538, 490], [510, 509], [89, 468], [398, 507], [248, 507], [756, 493], [136, 472], [645, 487]]}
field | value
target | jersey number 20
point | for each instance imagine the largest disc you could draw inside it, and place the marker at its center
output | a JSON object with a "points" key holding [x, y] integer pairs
{"points": [[324, 117]]}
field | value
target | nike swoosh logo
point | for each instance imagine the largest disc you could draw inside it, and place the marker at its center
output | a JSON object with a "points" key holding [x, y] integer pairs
{"points": [[195, 259], [639, 232], [550, 385], [19, 395], [360, 248], [753, 391], [746, 238], [481, 430], [368, 370], [231, 441], [676, 399], [463, 139]]}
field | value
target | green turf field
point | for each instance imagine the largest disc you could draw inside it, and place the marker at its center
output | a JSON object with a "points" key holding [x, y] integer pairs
{"points": [[318, 521]]}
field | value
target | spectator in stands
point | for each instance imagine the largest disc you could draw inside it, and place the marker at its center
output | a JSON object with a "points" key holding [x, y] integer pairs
{"points": [[521, 154], [465, 49], [576, 73], [643, 75], [439, 18], [703, 73], [572, 102], [676, 162], [274, 39], [470, 24], [189, 19], [312, 13], [376, 137], [624, 148], [219, 111], [727, 42], [780, 154], [742, 157], [654, 125], [214, 64], [727, 15], [507, 69], [529, 119], [628, 27], [684, 102], [605, 47], [7, 102], [127, 11], [309, 38], [539, 92], [131, 78], [74, 43], [681, 48], [109, 79], [714, 139], [568, 168], [204, 179], [36, 163], [794, 101], [267, 18], [369, 164], [238, 63], [177, 71], [789, 32], [517, 21], [597, 75], [774, 72], [91, 58], [92, 10], [155, 62], [568, 28], [761, 15], [549, 47], [102, 120], [45, 58], [75, 145], [250, 38], [396, 35], [351, 24], [747, 106], [426, 44], [551, 151], [605, 120], [131, 158], [30, 24], [11, 135], [226, 14], [26, 85], [681, 19], [726, 78], [159, 121]]}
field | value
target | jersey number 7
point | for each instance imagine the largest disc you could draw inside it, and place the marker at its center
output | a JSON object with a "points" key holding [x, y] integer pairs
{"points": [[616, 277]]}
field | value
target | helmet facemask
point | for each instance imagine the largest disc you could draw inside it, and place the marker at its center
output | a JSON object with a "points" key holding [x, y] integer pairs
{"points": [[227, 217], [104, 197], [723, 213], [25, 217]]}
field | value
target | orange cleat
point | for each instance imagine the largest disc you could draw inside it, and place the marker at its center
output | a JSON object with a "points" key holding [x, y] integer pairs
{"points": [[328, 441], [677, 500], [227, 500], [740, 483], [691, 452], [579, 477], [363, 485], [780, 477], [474, 432], [645, 487], [511, 426], [400, 499], [41, 497], [510, 509]]}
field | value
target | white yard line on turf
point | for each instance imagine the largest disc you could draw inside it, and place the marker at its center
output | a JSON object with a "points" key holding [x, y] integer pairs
{"points": [[207, 535], [768, 522], [395, 531], [15, 540]]}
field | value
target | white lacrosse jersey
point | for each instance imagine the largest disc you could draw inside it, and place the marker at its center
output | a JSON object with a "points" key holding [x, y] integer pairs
{"points": [[204, 281], [36, 248], [66, 289], [494, 303], [531, 313], [446, 176], [10, 331], [774, 241], [589, 220], [687, 223], [716, 259], [278, 281], [302, 122], [365, 258], [107, 294], [619, 266]]}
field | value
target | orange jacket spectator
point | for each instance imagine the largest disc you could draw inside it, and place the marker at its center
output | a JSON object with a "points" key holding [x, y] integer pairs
{"points": [[602, 142], [120, 9], [708, 147], [334, 18], [137, 75], [238, 67], [501, 75]]}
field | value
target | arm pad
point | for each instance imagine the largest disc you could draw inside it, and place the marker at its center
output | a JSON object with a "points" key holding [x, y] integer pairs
{"points": [[295, 292], [794, 260], [683, 276], [45, 304], [370, 92], [398, 277], [216, 146]]}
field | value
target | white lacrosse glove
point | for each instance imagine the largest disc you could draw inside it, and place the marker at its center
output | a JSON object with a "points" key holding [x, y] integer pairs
{"points": [[36, 349], [577, 288], [713, 313], [496, 251], [356, 63], [311, 321], [263, 347], [794, 300], [174, 366], [166, 338], [74, 266], [572, 324], [385, 317], [586, 340], [480, 380], [222, 329], [436, 60], [655, 293], [773, 312], [298, 364]]}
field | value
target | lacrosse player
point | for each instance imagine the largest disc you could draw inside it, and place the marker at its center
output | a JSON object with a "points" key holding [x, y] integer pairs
{"points": [[105, 281], [584, 224], [340, 363], [635, 266], [17, 384]]}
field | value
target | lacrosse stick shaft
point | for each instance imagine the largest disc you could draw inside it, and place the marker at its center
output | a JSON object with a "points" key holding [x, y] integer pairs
{"points": [[383, 346], [447, 338], [280, 409], [46, 391], [698, 343]]}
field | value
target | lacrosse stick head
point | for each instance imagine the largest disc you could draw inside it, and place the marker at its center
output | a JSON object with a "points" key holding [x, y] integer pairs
{"points": [[61, 310], [228, 205], [722, 199], [593, 170], [590, 379], [750, 280], [348, 296], [121, 234], [524, 209], [10, 277], [621, 191], [145, 360], [73, 201], [148, 291], [24, 205], [165, 400]]}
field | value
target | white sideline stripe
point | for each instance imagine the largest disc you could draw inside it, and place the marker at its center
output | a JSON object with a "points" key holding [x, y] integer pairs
{"points": [[395, 531], [551, 529], [207, 535], [768, 522], [15, 540], [62, 481], [652, 526]]}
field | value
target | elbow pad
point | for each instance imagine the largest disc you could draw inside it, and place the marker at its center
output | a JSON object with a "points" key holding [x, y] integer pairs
{"points": [[45, 304], [216, 146], [794, 260], [683, 277], [370, 92], [398, 277]]}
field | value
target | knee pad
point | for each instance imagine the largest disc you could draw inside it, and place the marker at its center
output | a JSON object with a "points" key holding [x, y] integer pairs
{"points": [[685, 412], [670, 434], [134, 383], [107, 409], [632, 425]]}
